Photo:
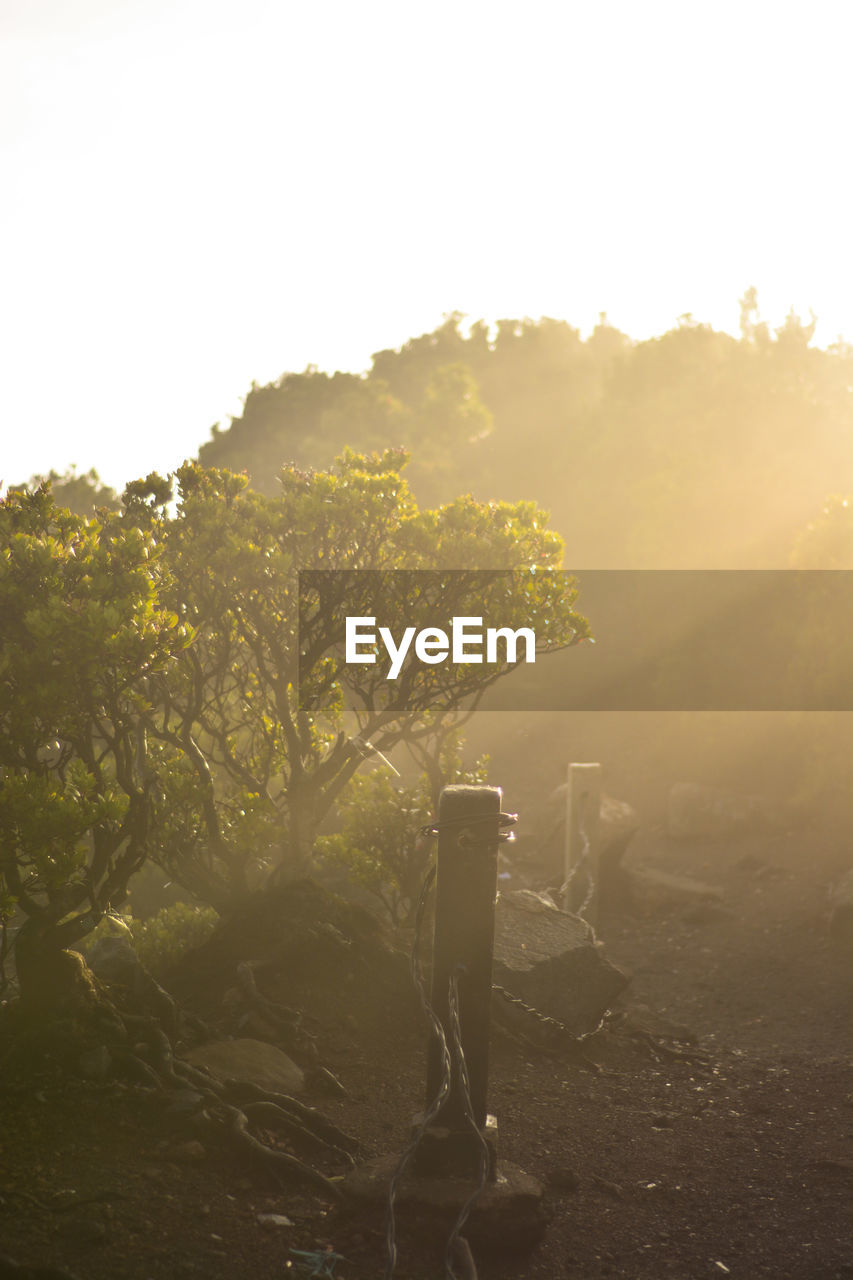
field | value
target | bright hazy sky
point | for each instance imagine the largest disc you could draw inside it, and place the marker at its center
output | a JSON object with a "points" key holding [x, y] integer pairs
{"points": [[198, 195]]}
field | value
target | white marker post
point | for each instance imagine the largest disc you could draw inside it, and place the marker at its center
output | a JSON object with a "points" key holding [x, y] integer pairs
{"points": [[580, 863]]}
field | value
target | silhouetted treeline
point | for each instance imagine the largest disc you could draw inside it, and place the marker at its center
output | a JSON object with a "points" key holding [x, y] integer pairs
{"points": [[695, 449]]}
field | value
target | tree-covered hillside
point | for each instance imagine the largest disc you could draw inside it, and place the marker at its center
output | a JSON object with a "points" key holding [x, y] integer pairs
{"points": [[694, 449]]}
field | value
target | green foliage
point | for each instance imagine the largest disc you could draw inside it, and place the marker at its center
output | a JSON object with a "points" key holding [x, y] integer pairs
{"points": [[148, 671], [83, 495], [247, 775], [161, 941], [692, 450], [82, 633], [380, 843]]}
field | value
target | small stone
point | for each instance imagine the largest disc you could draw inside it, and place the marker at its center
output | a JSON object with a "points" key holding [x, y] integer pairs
{"points": [[273, 1221], [662, 1122], [611, 1188], [184, 1102], [64, 1199]]}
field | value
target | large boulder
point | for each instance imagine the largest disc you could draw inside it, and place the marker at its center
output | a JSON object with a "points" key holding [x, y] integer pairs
{"points": [[252, 1060], [551, 960]]}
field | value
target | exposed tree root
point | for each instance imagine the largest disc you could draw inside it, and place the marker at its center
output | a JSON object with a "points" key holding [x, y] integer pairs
{"points": [[242, 1091], [280, 1163], [139, 1047], [272, 1116]]}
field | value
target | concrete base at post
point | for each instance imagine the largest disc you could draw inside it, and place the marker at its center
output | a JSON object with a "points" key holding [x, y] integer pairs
{"points": [[507, 1216], [448, 1153]]}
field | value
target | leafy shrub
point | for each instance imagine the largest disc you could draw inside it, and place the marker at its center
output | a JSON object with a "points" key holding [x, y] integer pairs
{"points": [[161, 941], [380, 844]]}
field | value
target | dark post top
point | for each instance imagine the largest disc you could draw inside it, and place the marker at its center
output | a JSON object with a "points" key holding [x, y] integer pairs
{"points": [[463, 940]]}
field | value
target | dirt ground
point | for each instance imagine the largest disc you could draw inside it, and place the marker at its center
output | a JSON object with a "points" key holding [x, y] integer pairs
{"points": [[677, 1160]]}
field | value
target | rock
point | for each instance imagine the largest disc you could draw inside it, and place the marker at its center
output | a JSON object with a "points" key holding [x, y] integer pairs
{"points": [[530, 927], [66, 1198], [506, 1217], [549, 958], [530, 900], [252, 1060], [616, 819], [695, 812], [610, 1188], [652, 888], [182, 1103], [273, 1221]]}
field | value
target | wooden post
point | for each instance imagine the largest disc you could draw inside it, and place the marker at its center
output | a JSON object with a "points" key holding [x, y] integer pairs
{"points": [[463, 942], [580, 866]]}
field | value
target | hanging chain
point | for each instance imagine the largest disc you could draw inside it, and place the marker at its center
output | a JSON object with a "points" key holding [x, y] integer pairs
{"points": [[558, 1031]]}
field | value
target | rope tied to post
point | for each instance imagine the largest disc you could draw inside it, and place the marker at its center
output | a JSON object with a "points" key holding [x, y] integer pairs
{"points": [[458, 1007], [504, 820], [443, 1091], [449, 1053], [468, 1106]]}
